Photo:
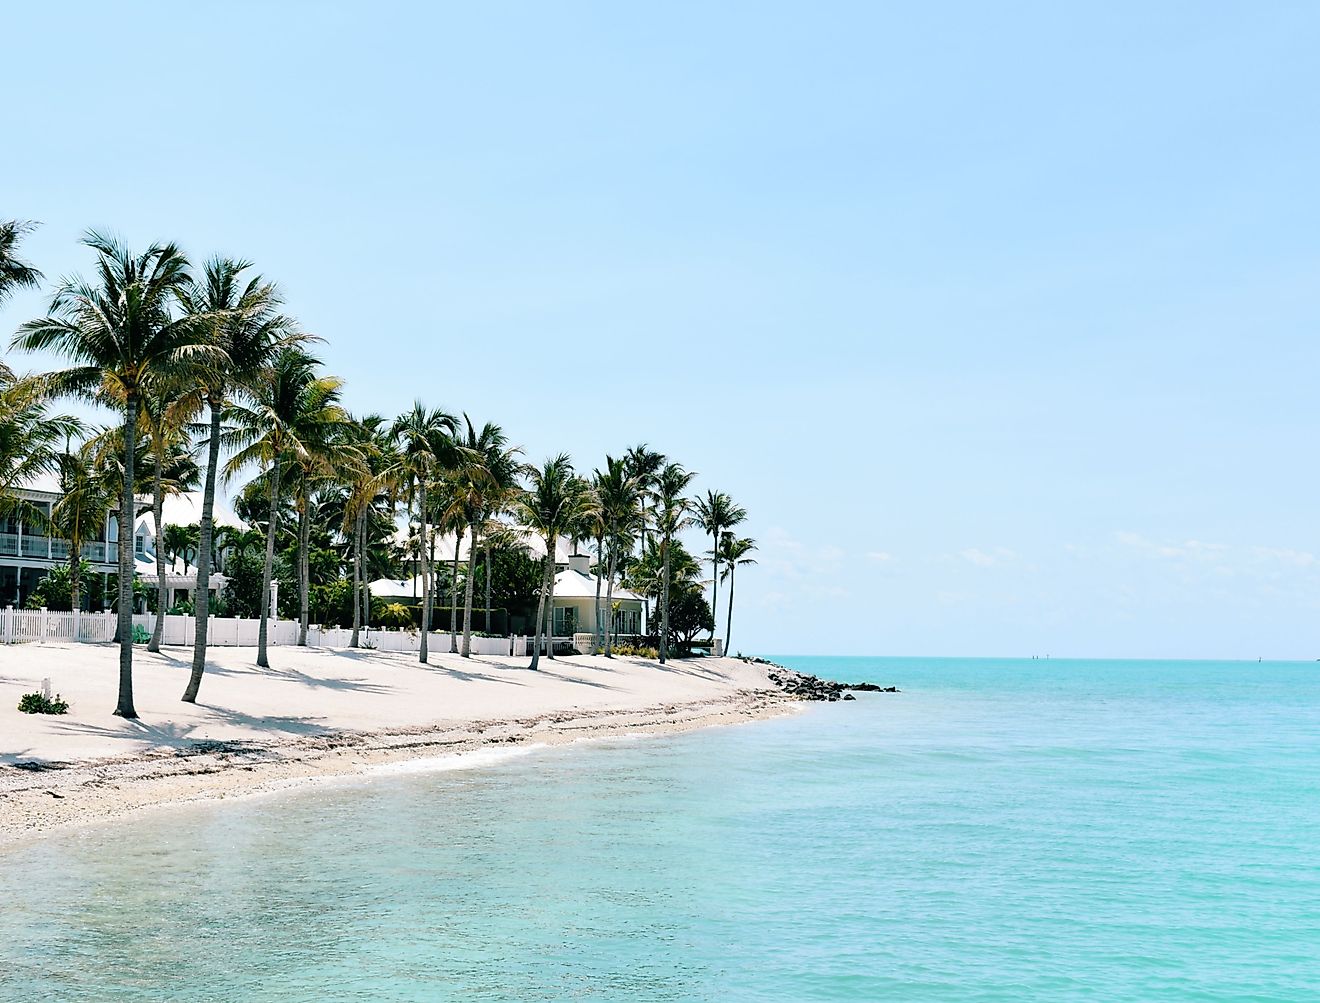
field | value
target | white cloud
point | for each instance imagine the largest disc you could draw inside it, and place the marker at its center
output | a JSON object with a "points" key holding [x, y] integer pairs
{"points": [[880, 556], [987, 558], [1285, 555], [1197, 550]]}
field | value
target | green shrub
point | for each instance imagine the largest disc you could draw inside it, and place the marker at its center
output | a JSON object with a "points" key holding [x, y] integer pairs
{"points": [[140, 634], [633, 651], [36, 703]]}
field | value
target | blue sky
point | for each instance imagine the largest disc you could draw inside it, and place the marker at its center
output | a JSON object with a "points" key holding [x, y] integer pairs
{"points": [[999, 319]]}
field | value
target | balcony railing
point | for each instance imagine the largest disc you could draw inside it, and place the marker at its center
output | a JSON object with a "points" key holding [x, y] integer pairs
{"points": [[46, 548], [36, 546]]}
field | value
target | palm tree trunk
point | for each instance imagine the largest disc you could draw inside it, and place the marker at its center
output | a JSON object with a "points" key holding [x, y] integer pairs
{"points": [[664, 605], [426, 580], [269, 570], [597, 640], [728, 624], [125, 708], [304, 570], [162, 589], [714, 580], [546, 582], [75, 579], [364, 591], [467, 599], [550, 611], [487, 577], [202, 600], [609, 604], [357, 578], [453, 601]]}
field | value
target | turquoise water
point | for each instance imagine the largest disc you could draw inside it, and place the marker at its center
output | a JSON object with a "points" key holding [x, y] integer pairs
{"points": [[1001, 830]]}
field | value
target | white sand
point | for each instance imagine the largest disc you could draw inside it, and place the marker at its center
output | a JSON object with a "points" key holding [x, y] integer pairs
{"points": [[317, 712]]}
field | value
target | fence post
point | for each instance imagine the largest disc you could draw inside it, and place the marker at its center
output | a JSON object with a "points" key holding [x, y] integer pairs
{"points": [[77, 634], [9, 625]]}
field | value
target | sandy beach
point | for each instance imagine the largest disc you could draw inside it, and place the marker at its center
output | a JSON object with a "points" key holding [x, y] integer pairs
{"points": [[317, 713]]}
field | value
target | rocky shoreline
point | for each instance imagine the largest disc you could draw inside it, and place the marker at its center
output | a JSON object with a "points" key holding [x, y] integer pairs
{"points": [[803, 686]]}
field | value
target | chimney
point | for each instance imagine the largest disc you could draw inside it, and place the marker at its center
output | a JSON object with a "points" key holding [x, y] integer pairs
{"points": [[581, 563]]}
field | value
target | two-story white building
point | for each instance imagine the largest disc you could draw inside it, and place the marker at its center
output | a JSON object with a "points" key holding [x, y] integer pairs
{"points": [[28, 551]]}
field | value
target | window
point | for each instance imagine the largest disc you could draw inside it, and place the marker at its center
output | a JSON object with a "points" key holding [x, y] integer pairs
{"points": [[141, 545]]}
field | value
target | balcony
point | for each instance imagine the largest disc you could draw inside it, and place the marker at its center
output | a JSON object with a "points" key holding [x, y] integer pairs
{"points": [[36, 546], [8, 544]]}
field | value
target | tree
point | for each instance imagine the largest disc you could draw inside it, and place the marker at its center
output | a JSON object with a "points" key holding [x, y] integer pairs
{"points": [[617, 494], [644, 464], [123, 331], [242, 322], [291, 406], [15, 273], [55, 590], [87, 496], [671, 517], [424, 442], [173, 471], [486, 476], [549, 506], [592, 526], [30, 439], [734, 552], [689, 615], [365, 481], [325, 448], [714, 514], [176, 542]]}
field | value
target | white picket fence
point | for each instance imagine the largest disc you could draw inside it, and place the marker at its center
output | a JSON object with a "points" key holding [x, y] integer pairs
{"points": [[21, 626], [18, 626]]}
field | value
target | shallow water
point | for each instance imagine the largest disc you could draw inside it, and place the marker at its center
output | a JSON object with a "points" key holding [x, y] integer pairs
{"points": [[1000, 830]]}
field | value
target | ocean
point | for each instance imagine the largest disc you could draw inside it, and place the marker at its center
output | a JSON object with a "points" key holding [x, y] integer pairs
{"points": [[1001, 830]]}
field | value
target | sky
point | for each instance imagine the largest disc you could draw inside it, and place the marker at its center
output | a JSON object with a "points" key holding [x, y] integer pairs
{"points": [[999, 320]]}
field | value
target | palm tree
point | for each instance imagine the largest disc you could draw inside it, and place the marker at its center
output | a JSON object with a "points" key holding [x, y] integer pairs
{"points": [[87, 496], [714, 514], [30, 437], [15, 273], [593, 526], [549, 507], [365, 480], [173, 471], [733, 552], [618, 494], [487, 473], [122, 331], [177, 541], [644, 464], [325, 450], [424, 440], [242, 321], [450, 516], [291, 408], [499, 536], [671, 517]]}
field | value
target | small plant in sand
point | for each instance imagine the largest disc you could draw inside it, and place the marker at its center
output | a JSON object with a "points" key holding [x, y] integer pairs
{"points": [[140, 634], [39, 703]]}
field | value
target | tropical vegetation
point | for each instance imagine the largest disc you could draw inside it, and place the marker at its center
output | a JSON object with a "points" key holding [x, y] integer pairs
{"points": [[213, 385]]}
